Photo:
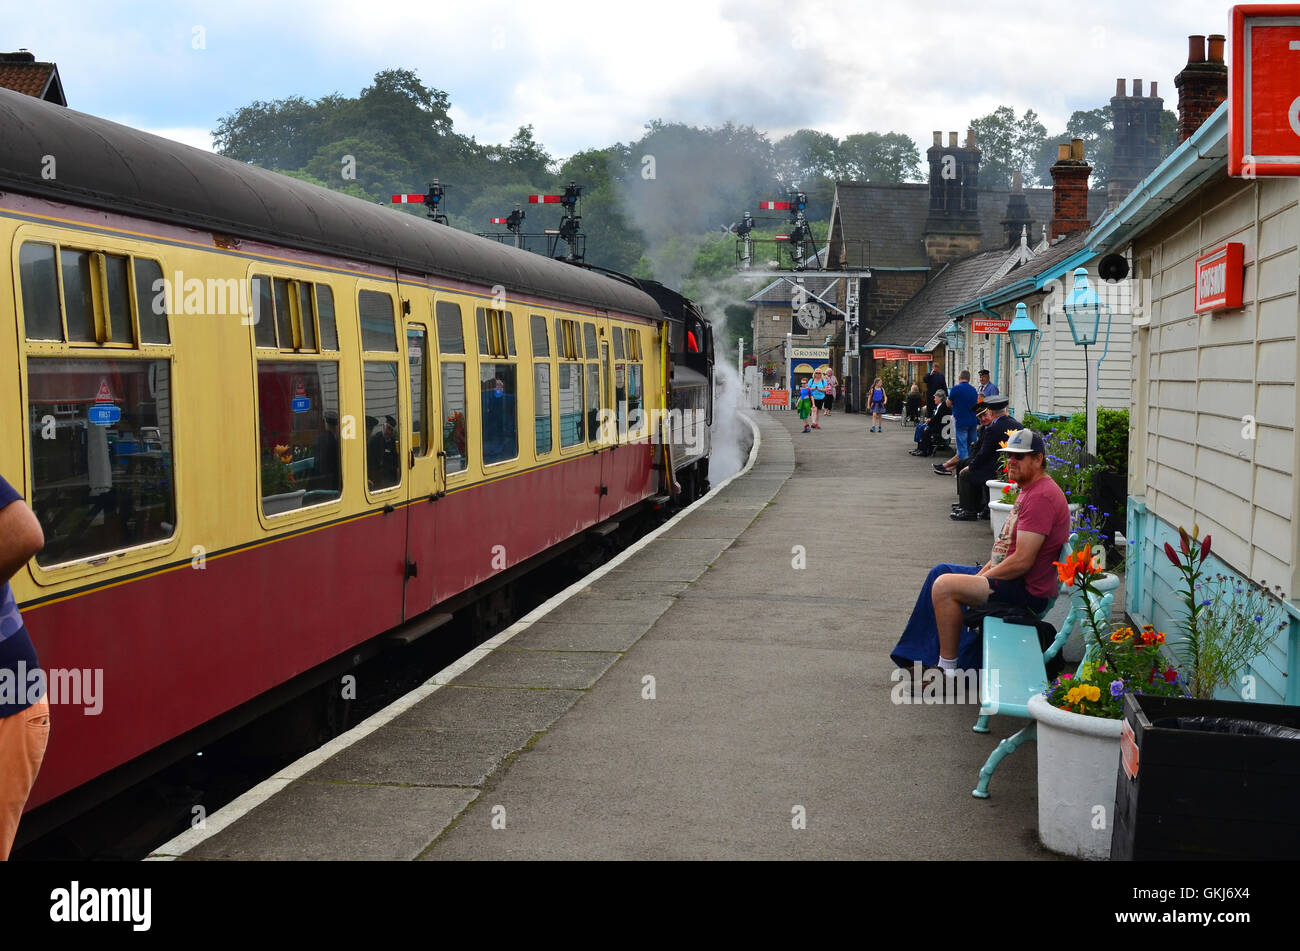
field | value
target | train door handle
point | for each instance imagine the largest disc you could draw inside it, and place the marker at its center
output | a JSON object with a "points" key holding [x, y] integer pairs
{"points": [[412, 570]]}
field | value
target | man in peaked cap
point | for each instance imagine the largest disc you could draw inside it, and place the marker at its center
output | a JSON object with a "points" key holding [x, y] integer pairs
{"points": [[972, 493], [1020, 570]]}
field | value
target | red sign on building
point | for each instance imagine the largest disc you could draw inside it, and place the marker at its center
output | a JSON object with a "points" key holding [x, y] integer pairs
{"points": [[1264, 91], [988, 325], [879, 353], [895, 354], [776, 397], [919, 358], [1219, 278]]}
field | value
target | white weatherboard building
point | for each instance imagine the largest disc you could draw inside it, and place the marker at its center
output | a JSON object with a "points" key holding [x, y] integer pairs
{"points": [[1214, 398]]}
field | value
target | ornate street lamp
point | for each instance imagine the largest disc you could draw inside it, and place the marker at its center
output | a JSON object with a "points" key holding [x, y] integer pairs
{"points": [[1025, 338], [954, 337], [1084, 309]]}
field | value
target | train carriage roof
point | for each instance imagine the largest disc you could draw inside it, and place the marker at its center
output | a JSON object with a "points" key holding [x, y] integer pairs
{"points": [[101, 164]]}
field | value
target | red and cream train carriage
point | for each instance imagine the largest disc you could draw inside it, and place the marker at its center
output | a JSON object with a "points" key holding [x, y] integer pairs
{"points": [[263, 423]]}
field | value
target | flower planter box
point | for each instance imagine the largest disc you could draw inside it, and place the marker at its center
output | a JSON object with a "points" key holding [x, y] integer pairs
{"points": [[1193, 794], [1077, 760]]}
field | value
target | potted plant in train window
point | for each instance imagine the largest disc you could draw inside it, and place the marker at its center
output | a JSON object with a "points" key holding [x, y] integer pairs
{"points": [[1078, 718], [279, 494], [453, 435], [1206, 778]]}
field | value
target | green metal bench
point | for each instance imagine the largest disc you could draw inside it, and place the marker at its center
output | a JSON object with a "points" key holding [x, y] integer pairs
{"points": [[1014, 668]]}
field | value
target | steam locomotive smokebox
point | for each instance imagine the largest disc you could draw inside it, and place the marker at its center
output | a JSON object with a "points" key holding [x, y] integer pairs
{"points": [[1207, 779]]}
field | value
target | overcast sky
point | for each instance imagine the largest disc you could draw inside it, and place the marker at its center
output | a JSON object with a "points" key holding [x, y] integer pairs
{"points": [[588, 73]]}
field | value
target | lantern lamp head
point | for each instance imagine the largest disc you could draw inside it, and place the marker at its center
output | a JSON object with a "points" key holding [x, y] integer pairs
{"points": [[1024, 335], [1083, 309], [954, 337]]}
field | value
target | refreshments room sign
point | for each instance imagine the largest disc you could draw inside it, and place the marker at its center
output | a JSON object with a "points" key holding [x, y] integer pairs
{"points": [[1219, 278], [1264, 91]]}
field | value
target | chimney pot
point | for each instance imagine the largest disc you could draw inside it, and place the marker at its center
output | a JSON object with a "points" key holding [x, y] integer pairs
{"points": [[952, 140], [970, 138], [938, 138], [1062, 153], [1120, 90], [1076, 149], [1216, 48], [1195, 49], [1137, 88], [1153, 89]]}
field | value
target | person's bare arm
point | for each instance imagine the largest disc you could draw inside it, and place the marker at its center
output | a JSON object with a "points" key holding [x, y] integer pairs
{"points": [[1018, 563], [20, 538]]}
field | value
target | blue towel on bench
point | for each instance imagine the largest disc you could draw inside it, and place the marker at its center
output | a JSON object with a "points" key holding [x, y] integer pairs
{"points": [[920, 640]]}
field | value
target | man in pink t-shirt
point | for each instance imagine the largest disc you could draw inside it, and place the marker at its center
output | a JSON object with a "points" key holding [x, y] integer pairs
{"points": [[1021, 568]]}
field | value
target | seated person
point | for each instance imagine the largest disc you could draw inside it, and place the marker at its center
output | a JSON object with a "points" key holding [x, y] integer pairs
{"points": [[930, 435], [972, 492], [914, 403], [1020, 569], [956, 463]]}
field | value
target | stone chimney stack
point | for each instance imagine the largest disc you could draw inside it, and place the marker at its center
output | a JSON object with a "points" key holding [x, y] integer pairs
{"points": [[1202, 85], [952, 229], [1069, 191], [1136, 123], [1017, 218]]}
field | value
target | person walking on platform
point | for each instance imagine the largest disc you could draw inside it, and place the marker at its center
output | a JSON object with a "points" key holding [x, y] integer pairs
{"points": [[818, 388], [832, 390], [962, 399], [877, 402], [804, 406], [25, 713]]}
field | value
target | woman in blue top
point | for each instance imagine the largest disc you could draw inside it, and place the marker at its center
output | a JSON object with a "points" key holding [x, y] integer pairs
{"points": [[877, 403], [818, 388]]}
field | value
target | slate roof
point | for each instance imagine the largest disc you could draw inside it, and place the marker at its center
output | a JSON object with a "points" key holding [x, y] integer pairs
{"points": [[1050, 256], [926, 314], [26, 76], [892, 218]]}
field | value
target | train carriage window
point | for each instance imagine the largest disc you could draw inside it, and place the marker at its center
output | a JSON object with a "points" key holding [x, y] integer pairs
{"points": [[593, 402], [541, 340], [635, 413], [383, 426], [542, 407], [589, 335], [118, 287], [618, 343], [571, 428], [455, 435], [78, 295], [510, 333], [482, 331], [451, 332], [496, 333], [500, 413], [417, 353], [298, 434], [263, 312], [620, 397], [329, 335], [377, 330], [306, 318], [283, 314], [151, 302], [100, 433], [40, 285]]}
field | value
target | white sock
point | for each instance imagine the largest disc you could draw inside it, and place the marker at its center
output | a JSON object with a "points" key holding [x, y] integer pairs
{"points": [[948, 665]]}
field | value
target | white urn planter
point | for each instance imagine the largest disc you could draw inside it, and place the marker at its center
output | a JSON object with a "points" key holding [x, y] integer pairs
{"points": [[998, 511], [1078, 760], [283, 502]]}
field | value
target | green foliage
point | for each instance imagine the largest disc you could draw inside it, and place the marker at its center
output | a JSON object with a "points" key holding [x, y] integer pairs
{"points": [[877, 157], [896, 387], [1112, 434], [1008, 143]]}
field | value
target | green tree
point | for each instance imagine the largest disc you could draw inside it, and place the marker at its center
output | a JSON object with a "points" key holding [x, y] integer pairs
{"points": [[804, 156], [880, 157], [1009, 143], [280, 134]]}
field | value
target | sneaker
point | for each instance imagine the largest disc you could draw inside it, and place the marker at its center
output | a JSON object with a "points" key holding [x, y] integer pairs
{"points": [[961, 515], [815, 426], [807, 429]]}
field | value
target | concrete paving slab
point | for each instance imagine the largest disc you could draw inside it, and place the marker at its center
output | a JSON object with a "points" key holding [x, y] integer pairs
{"points": [[545, 635], [501, 708], [337, 822], [451, 757], [571, 670], [587, 608]]}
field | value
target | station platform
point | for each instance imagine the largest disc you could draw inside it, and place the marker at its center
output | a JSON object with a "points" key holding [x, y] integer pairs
{"points": [[691, 701]]}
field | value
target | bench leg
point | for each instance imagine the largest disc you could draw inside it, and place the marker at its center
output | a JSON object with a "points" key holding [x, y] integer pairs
{"points": [[1009, 745], [982, 724]]}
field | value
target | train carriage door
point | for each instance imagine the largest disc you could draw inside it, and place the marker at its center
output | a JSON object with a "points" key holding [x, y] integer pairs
{"points": [[425, 475]]}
